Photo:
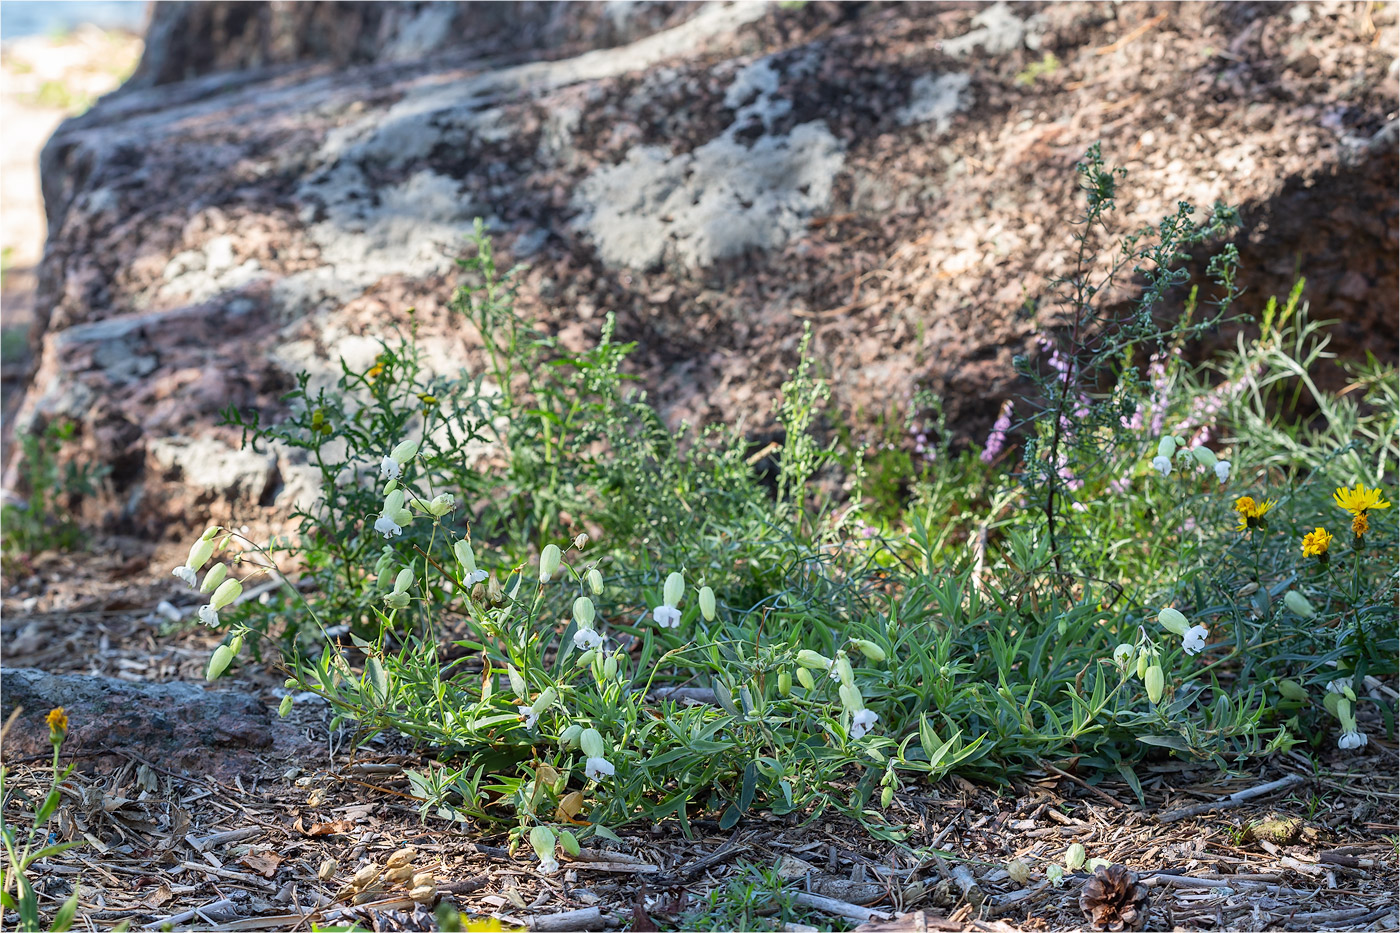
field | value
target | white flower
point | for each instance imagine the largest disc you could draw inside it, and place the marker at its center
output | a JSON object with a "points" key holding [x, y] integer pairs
{"points": [[1222, 470], [599, 768], [476, 576], [862, 722], [1341, 685], [1194, 641], [585, 639], [667, 616], [185, 573], [389, 468], [531, 717], [387, 526], [1163, 465], [1352, 739], [548, 866], [209, 616]]}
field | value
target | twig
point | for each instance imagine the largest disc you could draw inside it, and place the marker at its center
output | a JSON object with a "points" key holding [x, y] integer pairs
{"points": [[1131, 36], [830, 905], [1234, 800], [1103, 795], [590, 918], [219, 907]]}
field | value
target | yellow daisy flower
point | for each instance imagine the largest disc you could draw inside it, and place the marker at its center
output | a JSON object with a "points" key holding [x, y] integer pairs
{"points": [[1252, 513], [57, 721], [1360, 500], [1315, 544]]}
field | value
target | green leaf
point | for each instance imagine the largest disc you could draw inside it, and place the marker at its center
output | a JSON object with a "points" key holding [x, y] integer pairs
{"points": [[731, 817], [50, 805], [378, 679], [51, 850], [63, 920], [750, 786]]}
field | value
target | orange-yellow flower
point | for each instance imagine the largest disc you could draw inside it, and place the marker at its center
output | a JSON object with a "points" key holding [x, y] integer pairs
{"points": [[58, 724], [1315, 544], [1252, 513], [1360, 500], [1360, 524]]}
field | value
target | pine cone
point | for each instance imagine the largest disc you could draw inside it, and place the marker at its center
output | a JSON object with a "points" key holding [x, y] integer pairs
{"points": [[1113, 900]]}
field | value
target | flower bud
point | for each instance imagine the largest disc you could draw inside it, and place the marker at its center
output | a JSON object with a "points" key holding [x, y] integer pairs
{"points": [[440, 505], [843, 669], [851, 698], [674, 589], [1292, 690], [785, 682], [580, 541], [871, 650], [1249, 589], [544, 700], [403, 580], [595, 581], [584, 613], [804, 677], [591, 741], [200, 552], [218, 662], [1144, 658], [1055, 875], [1155, 681], [226, 593], [285, 706], [707, 603], [397, 600], [542, 841], [235, 644], [213, 578], [1019, 871], [569, 842], [585, 659], [1205, 457], [549, 562], [1166, 446], [1298, 604], [813, 661], [886, 796], [1074, 857], [610, 667], [1173, 621], [403, 452], [569, 738]]}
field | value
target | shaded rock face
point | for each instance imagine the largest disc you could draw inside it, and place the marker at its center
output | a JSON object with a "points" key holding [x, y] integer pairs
{"points": [[188, 39], [176, 725], [900, 178]]}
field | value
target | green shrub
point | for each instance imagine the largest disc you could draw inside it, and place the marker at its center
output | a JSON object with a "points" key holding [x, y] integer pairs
{"points": [[723, 646]]}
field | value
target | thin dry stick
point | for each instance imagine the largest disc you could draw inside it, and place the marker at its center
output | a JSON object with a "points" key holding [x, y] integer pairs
{"points": [[1084, 784], [1234, 800]]}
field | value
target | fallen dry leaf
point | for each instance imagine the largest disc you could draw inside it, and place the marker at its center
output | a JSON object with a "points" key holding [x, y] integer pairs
{"points": [[264, 863], [324, 829]]}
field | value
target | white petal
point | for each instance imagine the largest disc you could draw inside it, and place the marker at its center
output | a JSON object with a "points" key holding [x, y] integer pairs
{"points": [[389, 467], [185, 573], [209, 616], [387, 527]]}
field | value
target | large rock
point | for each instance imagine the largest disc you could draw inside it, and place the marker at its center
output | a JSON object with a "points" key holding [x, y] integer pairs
{"points": [[177, 725], [900, 177]]}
